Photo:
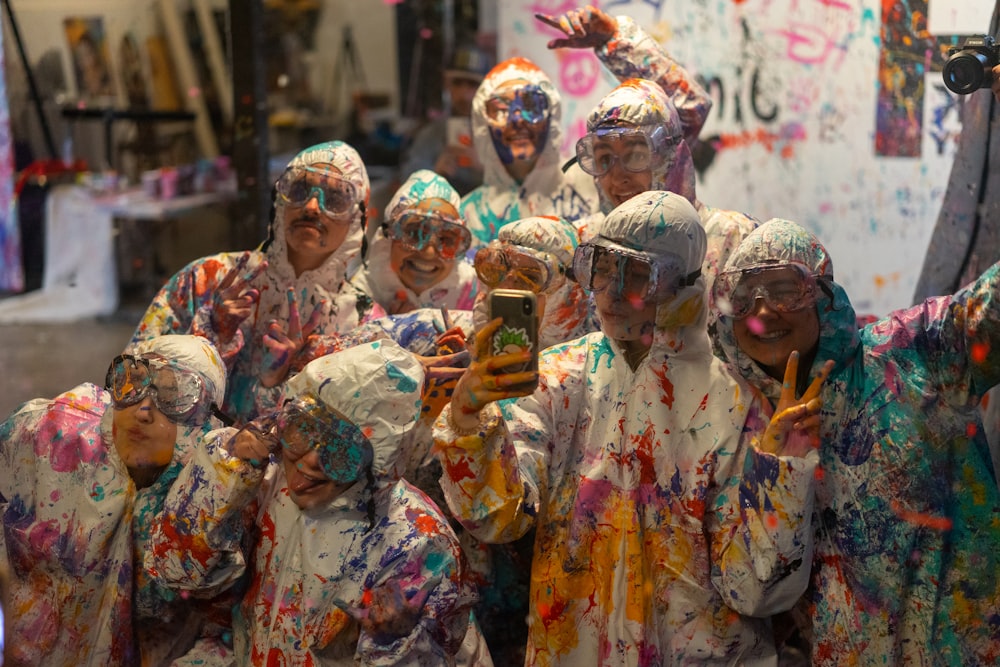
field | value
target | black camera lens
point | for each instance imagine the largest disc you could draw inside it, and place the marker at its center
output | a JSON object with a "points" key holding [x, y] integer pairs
{"points": [[965, 72], [526, 307]]}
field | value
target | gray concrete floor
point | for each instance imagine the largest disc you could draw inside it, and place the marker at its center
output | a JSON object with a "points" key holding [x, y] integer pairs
{"points": [[44, 360]]}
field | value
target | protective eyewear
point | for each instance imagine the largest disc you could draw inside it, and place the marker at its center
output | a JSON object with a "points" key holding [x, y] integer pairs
{"points": [[336, 197], [786, 287], [519, 267], [602, 264], [305, 424], [636, 148], [417, 230], [180, 395], [529, 104]]}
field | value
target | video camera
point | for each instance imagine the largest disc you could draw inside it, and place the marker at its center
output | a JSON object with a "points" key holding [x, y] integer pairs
{"points": [[968, 65]]}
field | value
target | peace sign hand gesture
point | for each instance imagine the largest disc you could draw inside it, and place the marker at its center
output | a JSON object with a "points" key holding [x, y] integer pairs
{"points": [[283, 343], [794, 428], [235, 299]]}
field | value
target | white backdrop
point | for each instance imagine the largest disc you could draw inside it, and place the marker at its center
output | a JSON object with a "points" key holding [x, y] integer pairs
{"points": [[794, 122]]}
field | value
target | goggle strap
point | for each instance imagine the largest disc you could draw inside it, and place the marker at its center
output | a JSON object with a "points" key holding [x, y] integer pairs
{"points": [[690, 278], [569, 163], [222, 416]]}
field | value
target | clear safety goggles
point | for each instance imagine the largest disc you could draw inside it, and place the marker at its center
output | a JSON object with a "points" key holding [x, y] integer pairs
{"points": [[416, 230], [518, 267], [528, 103], [602, 264], [637, 148], [179, 394], [785, 287], [336, 196], [305, 425]]}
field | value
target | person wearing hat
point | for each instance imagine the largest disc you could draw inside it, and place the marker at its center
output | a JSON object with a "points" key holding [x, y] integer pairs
{"points": [[82, 477], [347, 563], [664, 535], [444, 145]]}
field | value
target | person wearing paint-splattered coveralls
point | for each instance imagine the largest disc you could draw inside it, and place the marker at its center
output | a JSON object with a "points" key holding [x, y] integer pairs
{"points": [[242, 301], [349, 564], [417, 255], [522, 176], [664, 537], [647, 123], [907, 563], [82, 477]]}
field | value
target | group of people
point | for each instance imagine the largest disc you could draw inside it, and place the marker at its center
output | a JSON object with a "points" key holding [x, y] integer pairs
{"points": [[309, 454]]}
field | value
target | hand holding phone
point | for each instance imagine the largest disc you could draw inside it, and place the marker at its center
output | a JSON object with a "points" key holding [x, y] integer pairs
{"points": [[519, 330]]}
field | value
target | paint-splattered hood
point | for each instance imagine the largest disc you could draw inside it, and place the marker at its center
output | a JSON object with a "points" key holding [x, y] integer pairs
{"points": [[547, 175], [377, 386], [331, 273], [642, 103], [783, 240], [375, 277], [567, 310]]}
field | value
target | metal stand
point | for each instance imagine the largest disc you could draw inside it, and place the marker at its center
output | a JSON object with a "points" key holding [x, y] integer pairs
{"points": [[36, 99]]}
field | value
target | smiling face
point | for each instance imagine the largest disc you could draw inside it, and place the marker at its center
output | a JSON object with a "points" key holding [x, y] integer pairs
{"points": [[619, 184], [144, 439], [310, 234], [419, 270], [769, 336], [519, 124]]}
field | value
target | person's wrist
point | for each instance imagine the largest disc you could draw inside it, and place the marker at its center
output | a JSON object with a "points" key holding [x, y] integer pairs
{"points": [[463, 423]]}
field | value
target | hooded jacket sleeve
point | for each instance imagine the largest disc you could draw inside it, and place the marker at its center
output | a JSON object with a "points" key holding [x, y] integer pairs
{"points": [[495, 480], [197, 542], [632, 53], [761, 527], [957, 336], [185, 305]]}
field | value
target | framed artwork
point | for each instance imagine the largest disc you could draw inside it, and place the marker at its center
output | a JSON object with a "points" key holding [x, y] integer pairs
{"points": [[89, 54]]}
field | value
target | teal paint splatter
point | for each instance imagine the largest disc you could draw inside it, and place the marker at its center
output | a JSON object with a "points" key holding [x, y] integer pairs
{"points": [[406, 384]]}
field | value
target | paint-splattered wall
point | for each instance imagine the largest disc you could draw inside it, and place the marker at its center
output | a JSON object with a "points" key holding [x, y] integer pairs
{"points": [[831, 113]]}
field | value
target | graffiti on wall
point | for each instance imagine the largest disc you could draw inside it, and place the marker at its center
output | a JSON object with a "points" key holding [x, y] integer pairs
{"points": [[823, 113]]}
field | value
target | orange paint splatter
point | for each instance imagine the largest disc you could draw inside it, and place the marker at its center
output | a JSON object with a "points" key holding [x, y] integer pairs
{"points": [[971, 429], [941, 523], [425, 524]]}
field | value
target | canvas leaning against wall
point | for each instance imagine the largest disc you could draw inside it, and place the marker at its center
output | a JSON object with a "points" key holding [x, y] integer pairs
{"points": [[89, 55], [831, 113]]}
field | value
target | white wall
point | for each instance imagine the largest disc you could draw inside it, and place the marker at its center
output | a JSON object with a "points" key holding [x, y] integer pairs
{"points": [[815, 162]]}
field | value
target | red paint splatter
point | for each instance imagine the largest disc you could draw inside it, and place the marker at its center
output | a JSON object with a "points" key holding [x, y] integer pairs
{"points": [[980, 352]]}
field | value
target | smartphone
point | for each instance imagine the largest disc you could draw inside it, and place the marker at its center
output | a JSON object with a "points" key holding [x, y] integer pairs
{"points": [[519, 331]]}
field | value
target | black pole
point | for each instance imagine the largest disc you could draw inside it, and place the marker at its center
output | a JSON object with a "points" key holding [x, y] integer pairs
{"points": [[36, 98], [250, 130]]}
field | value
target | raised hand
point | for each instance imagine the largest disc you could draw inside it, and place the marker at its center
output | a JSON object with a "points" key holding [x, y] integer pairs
{"points": [[256, 441], [441, 375], [235, 299], [794, 428], [283, 342], [585, 28]]}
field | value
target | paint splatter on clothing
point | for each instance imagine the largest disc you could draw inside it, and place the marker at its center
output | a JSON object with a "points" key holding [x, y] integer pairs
{"points": [[907, 564], [658, 525], [74, 525], [306, 566]]}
